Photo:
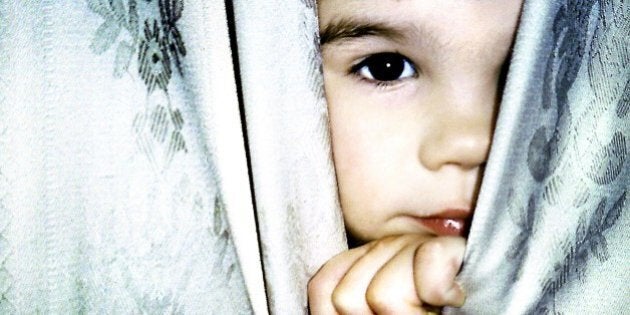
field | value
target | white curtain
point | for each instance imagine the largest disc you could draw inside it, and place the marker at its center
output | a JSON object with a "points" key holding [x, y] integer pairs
{"points": [[125, 172], [551, 231], [287, 126]]}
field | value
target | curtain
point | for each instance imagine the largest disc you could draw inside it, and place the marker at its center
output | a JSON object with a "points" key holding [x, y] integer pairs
{"points": [[172, 156], [287, 126], [550, 234], [113, 197], [142, 143]]}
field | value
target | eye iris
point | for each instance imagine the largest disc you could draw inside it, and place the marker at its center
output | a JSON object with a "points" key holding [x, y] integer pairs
{"points": [[386, 67]]}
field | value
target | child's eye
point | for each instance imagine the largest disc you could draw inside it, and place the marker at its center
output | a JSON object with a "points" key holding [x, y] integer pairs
{"points": [[385, 67]]}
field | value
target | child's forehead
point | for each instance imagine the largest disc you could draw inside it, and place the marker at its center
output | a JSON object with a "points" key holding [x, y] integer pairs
{"points": [[446, 12], [443, 24]]}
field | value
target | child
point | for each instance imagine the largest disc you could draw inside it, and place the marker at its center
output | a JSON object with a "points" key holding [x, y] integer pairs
{"points": [[413, 88]]}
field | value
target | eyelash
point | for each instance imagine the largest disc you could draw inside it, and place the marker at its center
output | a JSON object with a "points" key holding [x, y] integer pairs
{"points": [[357, 69]]}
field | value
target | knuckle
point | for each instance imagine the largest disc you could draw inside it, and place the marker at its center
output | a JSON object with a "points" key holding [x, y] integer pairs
{"points": [[314, 285], [428, 252], [431, 248], [381, 300], [345, 302], [432, 296], [319, 283]]}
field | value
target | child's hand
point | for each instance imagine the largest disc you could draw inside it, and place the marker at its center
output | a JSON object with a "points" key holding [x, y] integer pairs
{"points": [[406, 274]]}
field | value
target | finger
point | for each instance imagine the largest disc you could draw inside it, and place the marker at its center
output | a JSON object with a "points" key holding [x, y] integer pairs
{"points": [[436, 263], [392, 290], [349, 297], [322, 285]]}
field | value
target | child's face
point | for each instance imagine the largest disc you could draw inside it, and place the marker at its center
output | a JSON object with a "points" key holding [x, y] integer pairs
{"points": [[413, 88]]}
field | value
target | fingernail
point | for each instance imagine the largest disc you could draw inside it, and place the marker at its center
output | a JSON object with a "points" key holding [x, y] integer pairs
{"points": [[456, 295]]}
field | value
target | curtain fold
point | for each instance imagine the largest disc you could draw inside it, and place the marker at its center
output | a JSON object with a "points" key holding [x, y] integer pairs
{"points": [[550, 233], [300, 223]]}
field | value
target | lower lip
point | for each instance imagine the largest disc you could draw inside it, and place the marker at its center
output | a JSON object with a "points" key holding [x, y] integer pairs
{"points": [[444, 226]]}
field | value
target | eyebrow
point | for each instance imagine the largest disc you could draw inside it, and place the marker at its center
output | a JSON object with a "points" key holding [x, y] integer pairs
{"points": [[347, 28], [350, 28]]}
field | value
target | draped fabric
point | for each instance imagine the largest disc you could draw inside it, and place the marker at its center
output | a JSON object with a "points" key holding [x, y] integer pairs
{"points": [[124, 171], [113, 197], [287, 124], [551, 231], [172, 156]]}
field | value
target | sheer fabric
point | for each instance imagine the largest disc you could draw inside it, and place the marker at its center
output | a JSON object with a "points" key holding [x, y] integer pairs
{"points": [[141, 144], [111, 195]]}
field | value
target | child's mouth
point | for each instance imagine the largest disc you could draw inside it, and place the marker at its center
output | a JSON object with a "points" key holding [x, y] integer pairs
{"points": [[447, 223]]}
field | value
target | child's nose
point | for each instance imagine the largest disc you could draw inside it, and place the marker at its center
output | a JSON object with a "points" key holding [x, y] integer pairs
{"points": [[461, 131]]}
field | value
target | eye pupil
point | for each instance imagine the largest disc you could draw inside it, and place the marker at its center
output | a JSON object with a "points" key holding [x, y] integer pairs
{"points": [[386, 66]]}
